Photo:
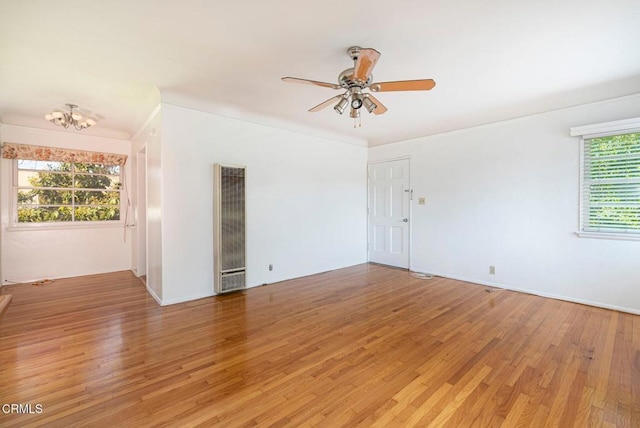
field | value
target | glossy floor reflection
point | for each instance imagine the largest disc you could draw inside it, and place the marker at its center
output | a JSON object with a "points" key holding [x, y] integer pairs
{"points": [[365, 345]]}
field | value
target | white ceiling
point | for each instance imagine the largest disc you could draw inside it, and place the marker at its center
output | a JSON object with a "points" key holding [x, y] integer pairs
{"points": [[492, 60]]}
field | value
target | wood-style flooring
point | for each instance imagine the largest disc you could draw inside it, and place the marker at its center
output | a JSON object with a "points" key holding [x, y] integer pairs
{"points": [[362, 346]]}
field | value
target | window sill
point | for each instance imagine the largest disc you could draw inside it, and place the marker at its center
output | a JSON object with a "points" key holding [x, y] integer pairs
{"points": [[31, 227], [606, 235]]}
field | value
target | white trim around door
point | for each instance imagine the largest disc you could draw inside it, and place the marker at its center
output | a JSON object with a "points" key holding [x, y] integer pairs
{"points": [[389, 212]]}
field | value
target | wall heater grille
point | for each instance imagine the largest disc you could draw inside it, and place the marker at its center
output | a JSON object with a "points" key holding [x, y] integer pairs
{"points": [[229, 228]]}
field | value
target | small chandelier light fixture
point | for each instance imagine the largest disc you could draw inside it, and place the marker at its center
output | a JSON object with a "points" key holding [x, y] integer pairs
{"points": [[72, 118]]}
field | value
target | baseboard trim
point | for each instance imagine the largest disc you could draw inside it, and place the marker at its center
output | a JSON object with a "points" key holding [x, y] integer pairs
{"points": [[154, 295], [537, 293], [167, 302]]}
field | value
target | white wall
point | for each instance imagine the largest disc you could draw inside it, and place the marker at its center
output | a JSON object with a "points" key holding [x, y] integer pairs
{"points": [[149, 139], [306, 201], [37, 254], [2, 184], [506, 195]]}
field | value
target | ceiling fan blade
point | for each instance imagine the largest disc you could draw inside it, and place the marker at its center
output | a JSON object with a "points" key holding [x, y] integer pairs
{"points": [[310, 82], [380, 109], [326, 103], [403, 85], [367, 59]]}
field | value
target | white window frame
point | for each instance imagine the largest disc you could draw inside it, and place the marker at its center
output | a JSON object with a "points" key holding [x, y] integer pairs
{"points": [[15, 225], [606, 129]]}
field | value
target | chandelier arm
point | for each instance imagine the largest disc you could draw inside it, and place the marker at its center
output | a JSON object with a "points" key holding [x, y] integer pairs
{"points": [[59, 118]]}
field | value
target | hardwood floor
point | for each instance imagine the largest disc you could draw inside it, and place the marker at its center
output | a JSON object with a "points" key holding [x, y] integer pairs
{"points": [[5, 299], [362, 346]]}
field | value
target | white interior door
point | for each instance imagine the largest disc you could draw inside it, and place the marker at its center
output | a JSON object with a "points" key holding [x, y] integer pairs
{"points": [[389, 203]]}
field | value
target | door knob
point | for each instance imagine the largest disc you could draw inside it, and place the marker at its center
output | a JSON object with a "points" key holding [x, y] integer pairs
{"points": [[406, 220]]}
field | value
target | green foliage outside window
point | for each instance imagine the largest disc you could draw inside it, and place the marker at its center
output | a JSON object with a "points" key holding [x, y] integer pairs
{"points": [[67, 192]]}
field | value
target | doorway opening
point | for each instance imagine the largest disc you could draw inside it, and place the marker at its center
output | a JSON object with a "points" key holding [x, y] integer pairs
{"points": [[141, 215]]}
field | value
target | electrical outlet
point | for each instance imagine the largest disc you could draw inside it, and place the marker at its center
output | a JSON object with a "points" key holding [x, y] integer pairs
{"points": [[422, 200], [492, 270], [270, 267]]}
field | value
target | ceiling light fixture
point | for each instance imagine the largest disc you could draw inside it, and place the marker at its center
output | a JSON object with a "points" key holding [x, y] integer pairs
{"points": [[368, 104], [342, 104], [72, 118], [355, 99], [355, 115], [357, 79]]}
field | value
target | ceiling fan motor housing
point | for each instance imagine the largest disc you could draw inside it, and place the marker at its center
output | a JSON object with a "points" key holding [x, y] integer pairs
{"points": [[346, 80]]}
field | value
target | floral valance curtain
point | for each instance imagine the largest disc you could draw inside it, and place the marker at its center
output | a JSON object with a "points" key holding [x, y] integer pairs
{"points": [[43, 153]]}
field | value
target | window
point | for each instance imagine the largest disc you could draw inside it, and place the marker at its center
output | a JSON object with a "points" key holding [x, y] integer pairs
{"points": [[56, 186], [610, 178], [50, 191]]}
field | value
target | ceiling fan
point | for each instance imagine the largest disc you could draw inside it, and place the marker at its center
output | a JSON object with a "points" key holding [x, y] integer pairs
{"points": [[355, 80]]}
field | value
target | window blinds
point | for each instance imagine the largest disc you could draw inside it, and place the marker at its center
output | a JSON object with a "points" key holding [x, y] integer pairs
{"points": [[611, 184]]}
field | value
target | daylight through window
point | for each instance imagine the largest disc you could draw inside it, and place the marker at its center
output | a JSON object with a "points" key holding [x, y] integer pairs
{"points": [[52, 191], [611, 184]]}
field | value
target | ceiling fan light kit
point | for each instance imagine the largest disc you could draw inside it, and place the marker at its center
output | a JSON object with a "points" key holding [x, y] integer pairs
{"points": [[358, 78], [73, 118], [342, 104], [368, 104]]}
